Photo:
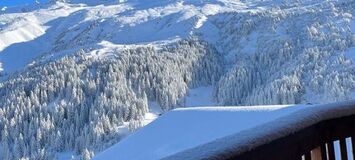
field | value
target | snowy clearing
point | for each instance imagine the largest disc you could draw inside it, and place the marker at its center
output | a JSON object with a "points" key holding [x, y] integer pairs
{"points": [[350, 53], [352, 25], [201, 96]]}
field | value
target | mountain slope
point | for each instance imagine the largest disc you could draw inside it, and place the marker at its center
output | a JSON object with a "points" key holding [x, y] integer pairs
{"points": [[80, 76]]}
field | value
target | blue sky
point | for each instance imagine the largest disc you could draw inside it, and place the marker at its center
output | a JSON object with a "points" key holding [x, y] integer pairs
{"points": [[17, 2]]}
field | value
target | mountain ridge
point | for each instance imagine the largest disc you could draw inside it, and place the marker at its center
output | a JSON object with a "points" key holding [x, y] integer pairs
{"points": [[109, 67]]}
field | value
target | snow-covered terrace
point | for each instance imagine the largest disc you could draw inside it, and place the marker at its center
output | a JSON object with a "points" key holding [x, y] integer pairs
{"points": [[226, 132]]}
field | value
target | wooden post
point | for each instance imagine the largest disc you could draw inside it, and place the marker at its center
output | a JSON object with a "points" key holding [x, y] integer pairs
{"points": [[353, 145], [307, 156], [343, 150], [331, 153], [323, 151], [316, 154]]}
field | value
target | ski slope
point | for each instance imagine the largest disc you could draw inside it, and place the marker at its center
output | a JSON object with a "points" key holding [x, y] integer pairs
{"points": [[25, 36], [58, 29]]}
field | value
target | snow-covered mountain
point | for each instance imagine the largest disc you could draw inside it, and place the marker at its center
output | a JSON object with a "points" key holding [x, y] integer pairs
{"points": [[80, 75]]}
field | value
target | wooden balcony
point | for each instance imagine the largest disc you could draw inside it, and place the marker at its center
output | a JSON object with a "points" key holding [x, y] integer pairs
{"points": [[315, 142]]}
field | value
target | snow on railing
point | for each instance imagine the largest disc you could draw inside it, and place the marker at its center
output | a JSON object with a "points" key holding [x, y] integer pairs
{"points": [[317, 142]]}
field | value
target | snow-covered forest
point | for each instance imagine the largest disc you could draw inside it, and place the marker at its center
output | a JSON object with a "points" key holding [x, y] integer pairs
{"points": [[76, 102], [80, 77]]}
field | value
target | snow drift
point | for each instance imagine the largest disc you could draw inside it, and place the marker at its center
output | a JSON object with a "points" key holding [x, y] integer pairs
{"points": [[198, 133]]}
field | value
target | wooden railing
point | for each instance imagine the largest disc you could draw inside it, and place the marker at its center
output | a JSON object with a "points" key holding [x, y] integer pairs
{"points": [[315, 142]]}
